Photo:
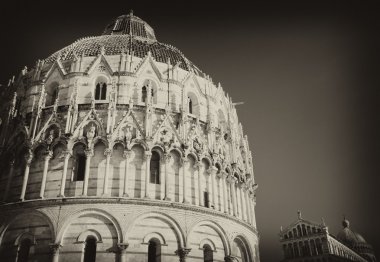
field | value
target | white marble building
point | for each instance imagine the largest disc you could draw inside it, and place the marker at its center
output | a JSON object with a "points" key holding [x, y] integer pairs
{"points": [[118, 148]]}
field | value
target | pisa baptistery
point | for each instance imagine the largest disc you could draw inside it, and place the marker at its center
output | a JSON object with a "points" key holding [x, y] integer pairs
{"points": [[118, 148]]}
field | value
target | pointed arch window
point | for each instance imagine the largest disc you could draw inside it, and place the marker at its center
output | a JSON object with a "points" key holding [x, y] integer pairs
{"points": [[79, 164], [101, 91], [143, 94], [90, 249], [54, 96], [154, 250], [24, 250], [155, 168], [190, 104], [208, 254]]}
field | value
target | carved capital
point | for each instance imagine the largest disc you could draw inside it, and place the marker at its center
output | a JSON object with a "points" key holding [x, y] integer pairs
{"points": [[108, 152], [182, 253], [48, 155], [89, 153], [212, 170], [147, 155], [197, 165], [127, 153], [55, 247], [28, 158], [166, 158], [66, 154], [122, 247]]}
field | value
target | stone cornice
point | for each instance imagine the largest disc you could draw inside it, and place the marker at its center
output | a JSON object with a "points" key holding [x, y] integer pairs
{"points": [[39, 203]]}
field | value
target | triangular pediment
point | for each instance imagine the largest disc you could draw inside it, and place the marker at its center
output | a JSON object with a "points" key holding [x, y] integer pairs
{"points": [[148, 66], [55, 70], [100, 64]]}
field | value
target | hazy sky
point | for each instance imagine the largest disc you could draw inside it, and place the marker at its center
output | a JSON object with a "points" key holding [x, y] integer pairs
{"points": [[306, 72]]}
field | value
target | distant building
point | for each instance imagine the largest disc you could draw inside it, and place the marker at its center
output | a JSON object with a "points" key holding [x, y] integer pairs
{"points": [[311, 242]]}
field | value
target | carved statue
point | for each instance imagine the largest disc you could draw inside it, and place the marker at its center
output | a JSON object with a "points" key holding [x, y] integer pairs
{"points": [[128, 135], [91, 132], [50, 137]]}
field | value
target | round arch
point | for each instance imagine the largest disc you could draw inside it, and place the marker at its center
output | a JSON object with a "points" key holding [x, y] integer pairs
{"points": [[72, 217], [163, 217], [242, 243], [35, 213], [222, 234], [193, 155]]}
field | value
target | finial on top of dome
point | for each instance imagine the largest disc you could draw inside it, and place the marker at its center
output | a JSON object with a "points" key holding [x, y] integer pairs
{"points": [[345, 222], [299, 214], [131, 12]]}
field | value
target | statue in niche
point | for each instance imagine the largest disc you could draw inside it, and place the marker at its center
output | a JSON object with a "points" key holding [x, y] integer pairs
{"points": [[128, 135], [138, 134], [166, 136], [91, 132], [198, 146], [50, 137]]}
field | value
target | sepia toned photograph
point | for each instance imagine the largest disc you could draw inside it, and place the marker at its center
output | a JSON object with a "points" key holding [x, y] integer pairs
{"points": [[198, 131]]}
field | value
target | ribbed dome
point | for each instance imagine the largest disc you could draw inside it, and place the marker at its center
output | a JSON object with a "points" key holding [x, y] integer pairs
{"points": [[130, 25], [128, 34], [348, 237]]}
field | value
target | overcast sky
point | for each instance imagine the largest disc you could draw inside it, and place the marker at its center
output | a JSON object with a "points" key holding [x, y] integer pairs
{"points": [[307, 74]]}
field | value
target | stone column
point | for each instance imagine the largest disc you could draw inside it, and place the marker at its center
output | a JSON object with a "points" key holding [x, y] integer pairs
{"points": [[67, 156], [221, 190], [29, 158], [48, 156], [200, 169], [55, 251], [107, 153], [122, 250], [238, 200], [247, 206], [212, 171], [148, 155], [127, 155], [89, 153], [232, 181], [184, 184], [197, 167], [243, 209], [167, 158], [9, 180], [225, 193], [253, 218], [182, 253], [208, 184]]}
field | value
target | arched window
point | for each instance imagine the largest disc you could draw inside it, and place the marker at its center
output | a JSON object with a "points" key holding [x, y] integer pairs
{"points": [[79, 164], [143, 94], [155, 168], [208, 254], [90, 249], [190, 102], [51, 94], [24, 249], [101, 91], [54, 96], [154, 250]]}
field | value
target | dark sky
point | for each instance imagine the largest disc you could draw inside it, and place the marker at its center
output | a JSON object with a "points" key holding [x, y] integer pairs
{"points": [[306, 70]]}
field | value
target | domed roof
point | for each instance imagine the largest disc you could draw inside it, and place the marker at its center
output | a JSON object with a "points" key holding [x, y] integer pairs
{"points": [[129, 34], [348, 237], [130, 25]]}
